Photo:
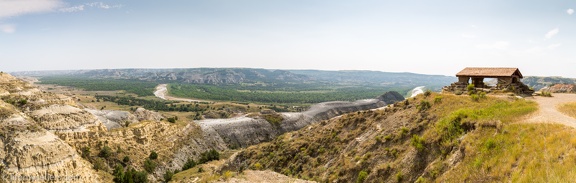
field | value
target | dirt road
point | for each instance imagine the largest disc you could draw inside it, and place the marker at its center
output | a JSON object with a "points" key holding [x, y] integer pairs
{"points": [[548, 111]]}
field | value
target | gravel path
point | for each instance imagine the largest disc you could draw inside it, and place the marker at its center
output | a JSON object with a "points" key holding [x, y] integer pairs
{"points": [[548, 111]]}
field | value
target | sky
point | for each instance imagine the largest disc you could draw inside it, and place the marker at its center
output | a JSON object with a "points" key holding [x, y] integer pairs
{"points": [[420, 36]]}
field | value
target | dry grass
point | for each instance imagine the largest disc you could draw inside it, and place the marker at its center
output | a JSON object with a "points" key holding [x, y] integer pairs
{"points": [[568, 109], [519, 153], [342, 147]]}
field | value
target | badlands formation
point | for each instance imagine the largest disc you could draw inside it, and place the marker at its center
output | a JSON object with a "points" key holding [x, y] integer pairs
{"points": [[51, 137]]}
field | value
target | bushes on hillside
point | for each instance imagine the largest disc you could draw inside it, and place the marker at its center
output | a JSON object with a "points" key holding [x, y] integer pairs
{"points": [[105, 152], [149, 165], [189, 164], [129, 176], [204, 158]]}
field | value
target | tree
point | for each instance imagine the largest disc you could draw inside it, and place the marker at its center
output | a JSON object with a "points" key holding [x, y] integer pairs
{"points": [[126, 159], [168, 175], [153, 155], [189, 164], [85, 152], [105, 152], [149, 165], [118, 174]]}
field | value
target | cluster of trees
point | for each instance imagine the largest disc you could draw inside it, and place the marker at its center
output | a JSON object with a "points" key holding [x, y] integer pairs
{"points": [[123, 172], [204, 158], [140, 88], [151, 104], [273, 94]]}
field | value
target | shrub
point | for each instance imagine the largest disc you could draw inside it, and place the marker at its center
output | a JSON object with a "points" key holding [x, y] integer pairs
{"points": [[362, 175], [378, 139], [546, 94], [126, 159], [171, 120], [424, 105], [418, 142], [139, 176], [189, 164], [149, 165], [100, 164], [399, 177], [118, 173], [437, 99], [22, 102], [105, 152], [131, 175], [85, 152], [482, 95], [470, 87], [421, 180], [258, 166], [153, 155], [168, 175], [209, 156], [227, 174], [403, 131], [475, 97], [274, 119], [427, 93], [490, 144], [450, 128]]}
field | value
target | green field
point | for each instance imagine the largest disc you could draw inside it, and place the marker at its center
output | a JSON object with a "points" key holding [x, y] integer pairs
{"points": [[269, 93], [278, 94], [140, 88]]}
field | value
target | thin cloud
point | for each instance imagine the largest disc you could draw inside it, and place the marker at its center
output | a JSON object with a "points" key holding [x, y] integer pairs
{"points": [[500, 45], [11, 8], [72, 9], [99, 5], [102, 5], [551, 33], [570, 11], [8, 28]]}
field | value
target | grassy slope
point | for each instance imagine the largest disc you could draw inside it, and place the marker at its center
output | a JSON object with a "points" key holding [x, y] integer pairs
{"points": [[456, 140], [568, 109]]}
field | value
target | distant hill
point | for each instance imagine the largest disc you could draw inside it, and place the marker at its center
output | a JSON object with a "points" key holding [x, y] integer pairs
{"points": [[379, 78], [214, 76], [538, 82], [219, 76]]}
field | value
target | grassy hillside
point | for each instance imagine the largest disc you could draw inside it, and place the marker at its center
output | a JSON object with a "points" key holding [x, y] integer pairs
{"points": [[568, 109], [439, 138]]}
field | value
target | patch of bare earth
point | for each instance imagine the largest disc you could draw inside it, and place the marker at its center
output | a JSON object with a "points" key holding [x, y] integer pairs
{"points": [[548, 110], [267, 176]]}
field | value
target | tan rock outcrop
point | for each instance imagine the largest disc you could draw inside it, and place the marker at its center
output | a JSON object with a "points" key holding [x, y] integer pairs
{"points": [[63, 117], [30, 153]]}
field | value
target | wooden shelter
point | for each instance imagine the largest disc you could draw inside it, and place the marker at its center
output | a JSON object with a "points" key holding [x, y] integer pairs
{"points": [[505, 76]]}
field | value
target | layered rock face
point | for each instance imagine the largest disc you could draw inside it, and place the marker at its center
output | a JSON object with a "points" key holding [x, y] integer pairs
{"points": [[245, 131], [64, 117], [560, 88], [28, 151]]}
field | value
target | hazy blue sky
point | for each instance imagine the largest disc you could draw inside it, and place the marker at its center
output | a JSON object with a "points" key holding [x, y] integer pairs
{"points": [[422, 36]]}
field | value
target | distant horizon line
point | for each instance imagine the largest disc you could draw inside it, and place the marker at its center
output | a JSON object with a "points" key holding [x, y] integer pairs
{"points": [[181, 68]]}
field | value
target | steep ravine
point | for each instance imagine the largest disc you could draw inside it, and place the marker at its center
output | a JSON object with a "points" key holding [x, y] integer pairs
{"points": [[246, 131]]}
